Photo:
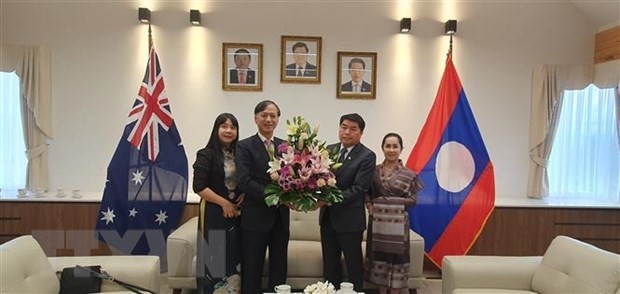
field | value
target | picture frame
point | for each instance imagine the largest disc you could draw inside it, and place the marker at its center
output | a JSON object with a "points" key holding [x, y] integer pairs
{"points": [[300, 59], [364, 71], [242, 67]]}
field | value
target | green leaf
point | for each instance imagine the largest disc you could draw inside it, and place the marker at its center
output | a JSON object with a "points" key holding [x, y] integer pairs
{"points": [[272, 200]]}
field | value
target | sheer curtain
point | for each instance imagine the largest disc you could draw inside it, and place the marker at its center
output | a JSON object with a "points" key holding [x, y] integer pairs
{"points": [[13, 161], [585, 159]]}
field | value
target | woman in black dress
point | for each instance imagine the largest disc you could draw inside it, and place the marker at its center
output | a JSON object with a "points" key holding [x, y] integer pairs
{"points": [[218, 225]]}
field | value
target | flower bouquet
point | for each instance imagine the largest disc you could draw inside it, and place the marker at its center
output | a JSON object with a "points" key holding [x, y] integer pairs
{"points": [[320, 288], [302, 175]]}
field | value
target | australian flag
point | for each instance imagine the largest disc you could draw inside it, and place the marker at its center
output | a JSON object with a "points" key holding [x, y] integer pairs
{"points": [[459, 186], [146, 186]]}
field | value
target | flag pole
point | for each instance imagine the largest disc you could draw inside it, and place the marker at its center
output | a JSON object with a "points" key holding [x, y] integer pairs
{"points": [[450, 48], [150, 39]]}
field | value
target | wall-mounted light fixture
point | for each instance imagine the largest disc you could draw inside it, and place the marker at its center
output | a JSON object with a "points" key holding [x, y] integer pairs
{"points": [[405, 25], [144, 15], [450, 27], [194, 17]]}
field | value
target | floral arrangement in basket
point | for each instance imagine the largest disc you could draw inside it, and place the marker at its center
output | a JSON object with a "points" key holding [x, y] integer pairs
{"points": [[303, 174], [320, 288]]}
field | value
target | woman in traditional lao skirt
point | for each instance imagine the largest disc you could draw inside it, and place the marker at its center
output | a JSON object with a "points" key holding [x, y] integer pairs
{"points": [[393, 190], [218, 225]]}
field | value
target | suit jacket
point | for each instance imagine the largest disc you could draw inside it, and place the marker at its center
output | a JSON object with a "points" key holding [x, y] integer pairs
{"points": [[348, 87], [353, 178], [249, 79], [252, 162], [309, 70]]}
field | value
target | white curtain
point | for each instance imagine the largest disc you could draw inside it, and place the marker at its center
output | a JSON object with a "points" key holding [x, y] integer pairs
{"points": [[32, 66], [13, 161], [586, 158]]}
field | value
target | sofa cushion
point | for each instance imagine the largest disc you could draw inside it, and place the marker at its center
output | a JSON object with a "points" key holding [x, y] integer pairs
{"points": [[304, 226], [571, 266], [24, 268]]}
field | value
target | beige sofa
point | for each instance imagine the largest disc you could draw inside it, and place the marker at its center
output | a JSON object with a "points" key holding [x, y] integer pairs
{"points": [[304, 254], [568, 266], [24, 268]]}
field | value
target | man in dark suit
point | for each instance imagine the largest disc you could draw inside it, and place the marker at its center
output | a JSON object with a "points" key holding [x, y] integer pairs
{"points": [[242, 74], [301, 67], [261, 226], [343, 224], [357, 67]]}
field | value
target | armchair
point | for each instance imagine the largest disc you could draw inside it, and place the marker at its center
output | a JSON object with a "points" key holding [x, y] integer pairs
{"points": [[568, 266], [24, 268]]}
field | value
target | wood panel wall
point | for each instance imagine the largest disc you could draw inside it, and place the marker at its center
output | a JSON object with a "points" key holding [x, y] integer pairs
{"points": [[509, 231], [607, 45], [529, 231]]}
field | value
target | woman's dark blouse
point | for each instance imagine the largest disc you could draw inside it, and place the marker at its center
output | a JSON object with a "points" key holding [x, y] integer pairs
{"points": [[209, 172]]}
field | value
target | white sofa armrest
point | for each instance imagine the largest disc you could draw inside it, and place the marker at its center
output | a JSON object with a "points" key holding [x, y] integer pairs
{"points": [[141, 271], [416, 254], [182, 249], [495, 272]]}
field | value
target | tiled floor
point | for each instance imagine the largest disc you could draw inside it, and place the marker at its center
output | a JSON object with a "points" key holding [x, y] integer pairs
{"points": [[429, 286]]}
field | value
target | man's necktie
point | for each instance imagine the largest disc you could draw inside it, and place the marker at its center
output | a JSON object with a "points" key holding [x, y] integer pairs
{"points": [[356, 88], [343, 154], [270, 148], [299, 73], [241, 77]]}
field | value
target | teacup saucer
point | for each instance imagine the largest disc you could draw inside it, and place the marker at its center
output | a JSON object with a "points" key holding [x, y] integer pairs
{"points": [[22, 195], [39, 195], [61, 195], [77, 196]]}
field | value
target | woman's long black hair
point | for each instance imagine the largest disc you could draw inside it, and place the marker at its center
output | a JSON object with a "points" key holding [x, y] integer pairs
{"points": [[214, 140]]}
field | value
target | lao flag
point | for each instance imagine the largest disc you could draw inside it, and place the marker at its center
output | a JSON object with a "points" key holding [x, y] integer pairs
{"points": [[146, 185], [451, 159]]}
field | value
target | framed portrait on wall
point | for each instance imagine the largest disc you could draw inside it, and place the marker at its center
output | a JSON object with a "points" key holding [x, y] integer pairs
{"points": [[300, 59], [357, 75], [242, 67]]}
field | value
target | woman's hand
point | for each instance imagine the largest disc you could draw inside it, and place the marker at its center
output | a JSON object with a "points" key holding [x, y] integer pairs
{"points": [[229, 210], [369, 207]]}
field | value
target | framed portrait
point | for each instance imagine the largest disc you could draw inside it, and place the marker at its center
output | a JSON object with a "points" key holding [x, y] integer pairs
{"points": [[300, 60], [357, 75], [242, 67]]}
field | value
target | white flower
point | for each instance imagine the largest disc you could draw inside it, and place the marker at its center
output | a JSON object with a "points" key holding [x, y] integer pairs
{"points": [[320, 288], [275, 176], [331, 182], [316, 129], [274, 166], [320, 183]]}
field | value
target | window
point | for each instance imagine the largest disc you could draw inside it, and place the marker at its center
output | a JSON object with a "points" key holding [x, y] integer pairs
{"points": [[585, 160], [13, 161]]}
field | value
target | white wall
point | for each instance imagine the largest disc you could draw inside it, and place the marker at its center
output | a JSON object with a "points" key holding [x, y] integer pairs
{"points": [[99, 53]]}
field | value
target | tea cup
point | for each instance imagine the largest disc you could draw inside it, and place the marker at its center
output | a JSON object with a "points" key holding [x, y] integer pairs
{"points": [[282, 288], [346, 288], [60, 193], [75, 193], [39, 192], [21, 192]]}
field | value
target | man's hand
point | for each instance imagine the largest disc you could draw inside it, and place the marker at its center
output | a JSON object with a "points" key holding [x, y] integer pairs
{"points": [[291, 207], [319, 204], [240, 199]]}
